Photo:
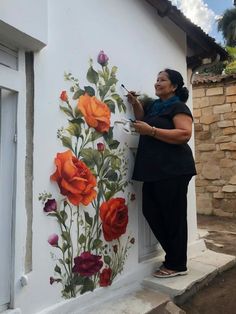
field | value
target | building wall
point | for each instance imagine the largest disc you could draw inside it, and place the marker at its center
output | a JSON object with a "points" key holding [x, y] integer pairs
{"points": [[140, 44], [215, 146]]}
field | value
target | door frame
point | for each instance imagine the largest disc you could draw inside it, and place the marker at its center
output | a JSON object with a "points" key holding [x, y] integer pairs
{"points": [[14, 80]]}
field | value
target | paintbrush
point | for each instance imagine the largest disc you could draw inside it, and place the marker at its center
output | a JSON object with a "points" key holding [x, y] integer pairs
{"points": [[132, 93]]}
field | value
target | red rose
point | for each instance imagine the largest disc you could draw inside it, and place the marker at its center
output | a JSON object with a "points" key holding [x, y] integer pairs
{"points": [[64, 96], [74, 179], [87, 264], [105, 277], [114, 216]]}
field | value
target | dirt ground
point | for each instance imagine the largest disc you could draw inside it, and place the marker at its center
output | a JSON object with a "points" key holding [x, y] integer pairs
{"points": [[219, 296]]}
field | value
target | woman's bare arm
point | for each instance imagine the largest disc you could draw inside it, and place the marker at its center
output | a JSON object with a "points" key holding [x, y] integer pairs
{"points": [[180, 135]]}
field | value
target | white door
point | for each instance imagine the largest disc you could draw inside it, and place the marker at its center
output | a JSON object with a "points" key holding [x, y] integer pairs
{"points": [[8, 101], [148, 244]]}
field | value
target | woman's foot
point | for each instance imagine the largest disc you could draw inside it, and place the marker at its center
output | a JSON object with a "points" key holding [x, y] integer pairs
{"points": [[163, 272]]}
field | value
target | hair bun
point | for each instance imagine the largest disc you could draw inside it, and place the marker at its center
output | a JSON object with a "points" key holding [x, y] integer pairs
{"points": [[182, 93]]}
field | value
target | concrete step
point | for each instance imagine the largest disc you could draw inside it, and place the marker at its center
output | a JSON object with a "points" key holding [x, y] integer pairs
{"points": [[144, 301], [202, 269]]}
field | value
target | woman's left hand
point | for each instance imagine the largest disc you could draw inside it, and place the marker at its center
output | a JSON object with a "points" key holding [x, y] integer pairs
{"points": [[142, 127]]}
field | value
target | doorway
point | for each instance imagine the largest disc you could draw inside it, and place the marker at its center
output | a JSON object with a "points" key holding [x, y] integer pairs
{"points": [[8, 111]]}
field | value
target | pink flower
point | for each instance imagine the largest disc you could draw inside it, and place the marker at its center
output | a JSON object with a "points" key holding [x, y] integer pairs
{"points": [[100, 147], [102, 58], [50, 206], [87, 264], [53, 239]]}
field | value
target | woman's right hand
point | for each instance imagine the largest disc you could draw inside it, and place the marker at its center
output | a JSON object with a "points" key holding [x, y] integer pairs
{"points": [[132, 97]]}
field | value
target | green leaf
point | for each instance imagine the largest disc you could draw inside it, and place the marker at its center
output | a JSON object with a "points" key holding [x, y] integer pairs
{"points": [[78, 93], [92, 76], [115, 163], [109, 195], [95, 135], [90, 157], [77, 113], [109, 135], [119, 101], [111, 175], [112, 81], [114, 144], [114, 70], [82, 239], [74, 129], [65, 246], [67, 111], [89, 90], [57, 269], [66, 236], [111, 104], [66, 141], [88, 285], [77, 280], [107, 259], [63, 215], [88, 219], [97, 243], [103, 89]]}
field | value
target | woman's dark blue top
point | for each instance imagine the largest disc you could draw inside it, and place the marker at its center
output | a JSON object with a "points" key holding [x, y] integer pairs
{"points": [[158, 160]]}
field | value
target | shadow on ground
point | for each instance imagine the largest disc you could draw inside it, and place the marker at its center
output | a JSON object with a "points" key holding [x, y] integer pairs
{"points": [[219, 296]]}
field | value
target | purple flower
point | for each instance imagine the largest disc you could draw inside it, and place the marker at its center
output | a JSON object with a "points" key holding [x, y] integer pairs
{"points": [[53, 239], [50, 206], [87, 264], [100, 147], [102, 58]]}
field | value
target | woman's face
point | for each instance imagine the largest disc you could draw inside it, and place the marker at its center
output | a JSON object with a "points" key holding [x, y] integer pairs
{"points": [[163, 86]]}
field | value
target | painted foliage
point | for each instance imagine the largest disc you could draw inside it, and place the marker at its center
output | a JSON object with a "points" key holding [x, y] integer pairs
{"points": [[92, 246]]}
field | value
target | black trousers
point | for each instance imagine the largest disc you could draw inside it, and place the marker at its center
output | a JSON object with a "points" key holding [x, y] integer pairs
{"points": [[165, 209]]}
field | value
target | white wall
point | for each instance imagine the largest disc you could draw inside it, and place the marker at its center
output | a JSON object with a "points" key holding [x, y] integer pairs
{"points": [[141, 44], [25, 22]]}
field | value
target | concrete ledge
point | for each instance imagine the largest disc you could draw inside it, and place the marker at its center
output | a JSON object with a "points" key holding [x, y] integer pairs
{"points": [[144, 301], [202, 269]]}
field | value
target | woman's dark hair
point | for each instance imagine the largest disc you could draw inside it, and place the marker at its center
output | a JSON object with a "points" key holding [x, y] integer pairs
{"points": [[177, 80]]}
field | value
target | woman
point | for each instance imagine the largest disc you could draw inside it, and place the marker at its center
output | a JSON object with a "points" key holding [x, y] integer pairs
{"points": [[164, 162]]}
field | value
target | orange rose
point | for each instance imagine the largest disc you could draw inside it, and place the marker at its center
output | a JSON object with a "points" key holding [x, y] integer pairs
{"points": [[114, 216], [74, 179], [96, 113]]}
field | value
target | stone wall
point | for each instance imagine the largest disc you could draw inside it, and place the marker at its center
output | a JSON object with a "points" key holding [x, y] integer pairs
{"points": [[214, 110]]}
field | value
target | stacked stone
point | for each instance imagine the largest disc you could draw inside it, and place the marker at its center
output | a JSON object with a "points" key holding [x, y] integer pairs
{"points": [[214, 110]]}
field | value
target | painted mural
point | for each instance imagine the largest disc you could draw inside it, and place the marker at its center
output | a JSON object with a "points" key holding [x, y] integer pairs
{"points": [[91, 174]]}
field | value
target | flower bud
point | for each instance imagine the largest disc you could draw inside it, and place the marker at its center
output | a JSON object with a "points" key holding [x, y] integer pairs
{"points": [[50, 206], [132, 197], [53, 239], [100, 147], [102, 58], [64, 96], [132, 241]]}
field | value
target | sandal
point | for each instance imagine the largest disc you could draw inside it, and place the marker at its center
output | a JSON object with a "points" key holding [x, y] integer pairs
{"points": [[167, 273]]}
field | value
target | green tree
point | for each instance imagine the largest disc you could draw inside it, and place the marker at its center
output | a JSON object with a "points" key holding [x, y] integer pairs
{"points": [[227, 25]]}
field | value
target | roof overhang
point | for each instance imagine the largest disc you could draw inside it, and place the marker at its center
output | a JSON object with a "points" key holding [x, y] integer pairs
{"points": [[199, 45]]}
